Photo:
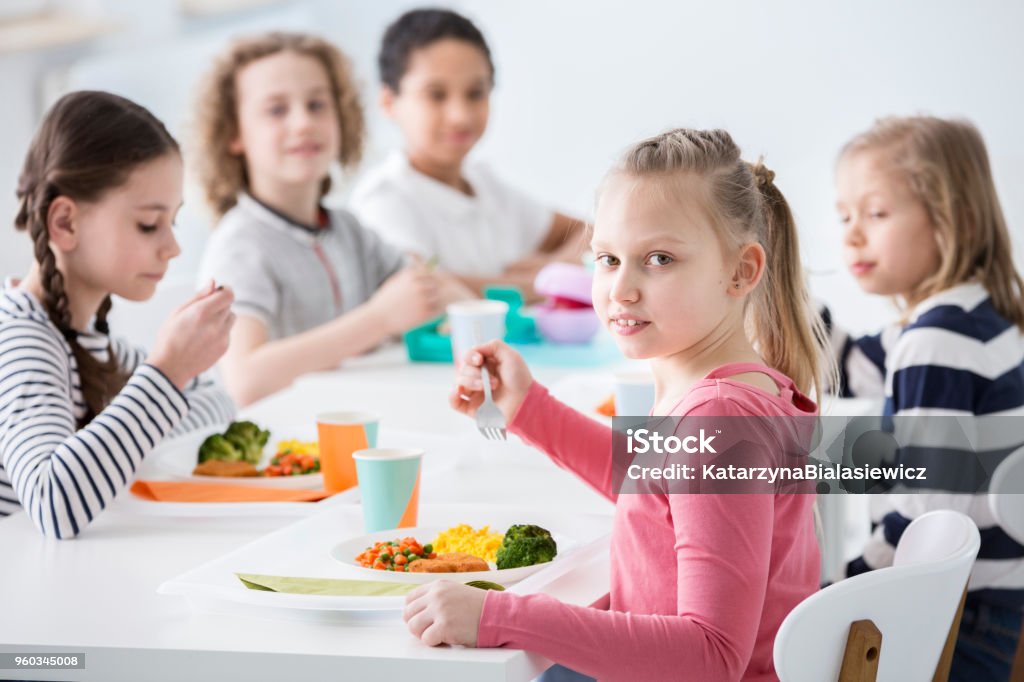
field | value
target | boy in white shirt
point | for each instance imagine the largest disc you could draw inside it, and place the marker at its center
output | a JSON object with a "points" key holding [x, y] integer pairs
{"points": [[436, 79]]}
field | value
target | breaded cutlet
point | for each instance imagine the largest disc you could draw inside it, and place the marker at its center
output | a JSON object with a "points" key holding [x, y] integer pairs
{"points": [[451, 562]]}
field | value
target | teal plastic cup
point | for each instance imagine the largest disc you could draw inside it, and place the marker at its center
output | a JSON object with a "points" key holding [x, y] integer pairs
{"points": [[389, 485]]}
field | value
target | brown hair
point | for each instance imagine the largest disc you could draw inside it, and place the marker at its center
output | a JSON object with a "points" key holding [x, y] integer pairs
{"points": [[748, 207], [946, 166], [223, 174], [88, 143]]}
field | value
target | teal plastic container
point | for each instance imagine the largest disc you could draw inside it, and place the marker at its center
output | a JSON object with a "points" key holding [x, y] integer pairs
{"points": [[426, 344]]}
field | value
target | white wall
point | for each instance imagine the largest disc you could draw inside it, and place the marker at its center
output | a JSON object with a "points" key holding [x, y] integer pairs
{"points": [[578, 81]]}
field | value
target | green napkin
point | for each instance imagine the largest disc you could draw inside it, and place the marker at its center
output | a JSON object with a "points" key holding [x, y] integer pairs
{"points": [[338, 588], [325, 586]]}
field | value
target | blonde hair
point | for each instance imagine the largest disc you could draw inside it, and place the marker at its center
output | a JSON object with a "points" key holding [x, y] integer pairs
{"points": [[223, 174], [946, 166], [748, 207]]}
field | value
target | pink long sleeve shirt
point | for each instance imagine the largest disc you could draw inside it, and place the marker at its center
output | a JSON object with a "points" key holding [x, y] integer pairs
{"points": [[700, 583]]}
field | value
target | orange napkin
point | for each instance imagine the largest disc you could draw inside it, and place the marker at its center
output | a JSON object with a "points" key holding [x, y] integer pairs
{"points": [[607, 407], [185, 491]]}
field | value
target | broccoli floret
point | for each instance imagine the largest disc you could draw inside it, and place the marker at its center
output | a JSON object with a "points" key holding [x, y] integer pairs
{"points": [[526, 546], [219, 447], [526, 531], [249, 439], [247, 431]]}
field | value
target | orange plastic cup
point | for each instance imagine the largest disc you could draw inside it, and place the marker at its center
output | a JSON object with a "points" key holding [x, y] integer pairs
{"points": [[341, 434]]}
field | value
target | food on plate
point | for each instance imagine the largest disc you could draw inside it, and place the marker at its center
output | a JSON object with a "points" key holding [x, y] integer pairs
{"points": [[294, 458], [298, 447], [242, 445], [243, 441], [249, 439], [450, 562], [462, 549], [217, 447], [216, 467], [395, 555], [483, 543], [526, 545]]}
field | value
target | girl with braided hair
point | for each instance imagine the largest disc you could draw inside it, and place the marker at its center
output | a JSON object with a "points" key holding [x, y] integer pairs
{"points": [[698, 270], [79, 410]]}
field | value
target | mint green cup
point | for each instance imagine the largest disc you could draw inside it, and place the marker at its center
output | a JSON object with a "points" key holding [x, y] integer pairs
{"points": [[389, 485]]}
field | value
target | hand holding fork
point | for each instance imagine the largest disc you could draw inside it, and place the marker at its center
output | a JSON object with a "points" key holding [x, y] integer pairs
{"points": [[493, 406]]}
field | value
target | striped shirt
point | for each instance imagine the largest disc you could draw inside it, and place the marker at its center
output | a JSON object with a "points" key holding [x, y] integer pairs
{"points": [[957, 356], [63, 476]]}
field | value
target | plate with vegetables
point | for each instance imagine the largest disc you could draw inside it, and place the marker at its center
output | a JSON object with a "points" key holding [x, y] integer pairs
{"points": [[423, 554], [241, 452]]}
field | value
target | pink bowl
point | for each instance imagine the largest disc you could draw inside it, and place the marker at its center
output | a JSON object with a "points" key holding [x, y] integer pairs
{"points": [[566, 325], [564, 280]]}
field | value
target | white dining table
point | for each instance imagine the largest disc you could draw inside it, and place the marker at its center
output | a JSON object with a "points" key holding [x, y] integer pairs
{"points": [[97, 594]]}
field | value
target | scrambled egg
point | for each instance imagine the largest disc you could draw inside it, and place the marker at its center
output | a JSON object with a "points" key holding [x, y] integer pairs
{"points": [[299, 447], [462, 538]]}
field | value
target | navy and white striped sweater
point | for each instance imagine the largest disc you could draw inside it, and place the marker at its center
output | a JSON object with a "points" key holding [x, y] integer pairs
{"points": [[63, 476], [957, 356]]}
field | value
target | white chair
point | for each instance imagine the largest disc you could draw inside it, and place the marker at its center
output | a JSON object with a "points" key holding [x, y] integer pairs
{"points": [[1006, 500], [893, 624]]}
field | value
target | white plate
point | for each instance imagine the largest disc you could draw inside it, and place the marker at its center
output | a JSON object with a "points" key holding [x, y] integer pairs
{"points": [[301, 549], [347, 551], [175, 458]]}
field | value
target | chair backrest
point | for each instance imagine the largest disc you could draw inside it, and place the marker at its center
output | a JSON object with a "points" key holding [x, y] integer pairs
{"points": [[913, 604], [1006, 498]]}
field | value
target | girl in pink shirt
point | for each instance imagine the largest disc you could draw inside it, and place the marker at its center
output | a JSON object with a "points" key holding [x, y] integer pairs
{"points": [[698, 270]]}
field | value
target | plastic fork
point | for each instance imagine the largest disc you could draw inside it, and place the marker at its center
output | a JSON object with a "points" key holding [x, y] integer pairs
{"points": [[489, 419]]}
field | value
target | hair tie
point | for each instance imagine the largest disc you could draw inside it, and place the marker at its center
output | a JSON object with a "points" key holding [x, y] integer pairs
{"points": [[763, 176]]}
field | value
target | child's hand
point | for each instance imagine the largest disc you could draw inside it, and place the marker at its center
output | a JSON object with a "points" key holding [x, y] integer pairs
{"points": [[443, 612], [510, 379], [409, 297], [194, 337]]}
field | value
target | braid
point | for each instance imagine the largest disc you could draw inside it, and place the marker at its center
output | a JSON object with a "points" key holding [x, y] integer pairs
{"points": [[100, 323], [55, 299], [100, 381]]}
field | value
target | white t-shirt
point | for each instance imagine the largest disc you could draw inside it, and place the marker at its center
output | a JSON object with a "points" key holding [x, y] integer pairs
{"points": [[469, 235]]}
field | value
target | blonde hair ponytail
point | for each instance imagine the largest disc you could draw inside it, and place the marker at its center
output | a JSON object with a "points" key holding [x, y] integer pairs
{"points": [[790, 335]]}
